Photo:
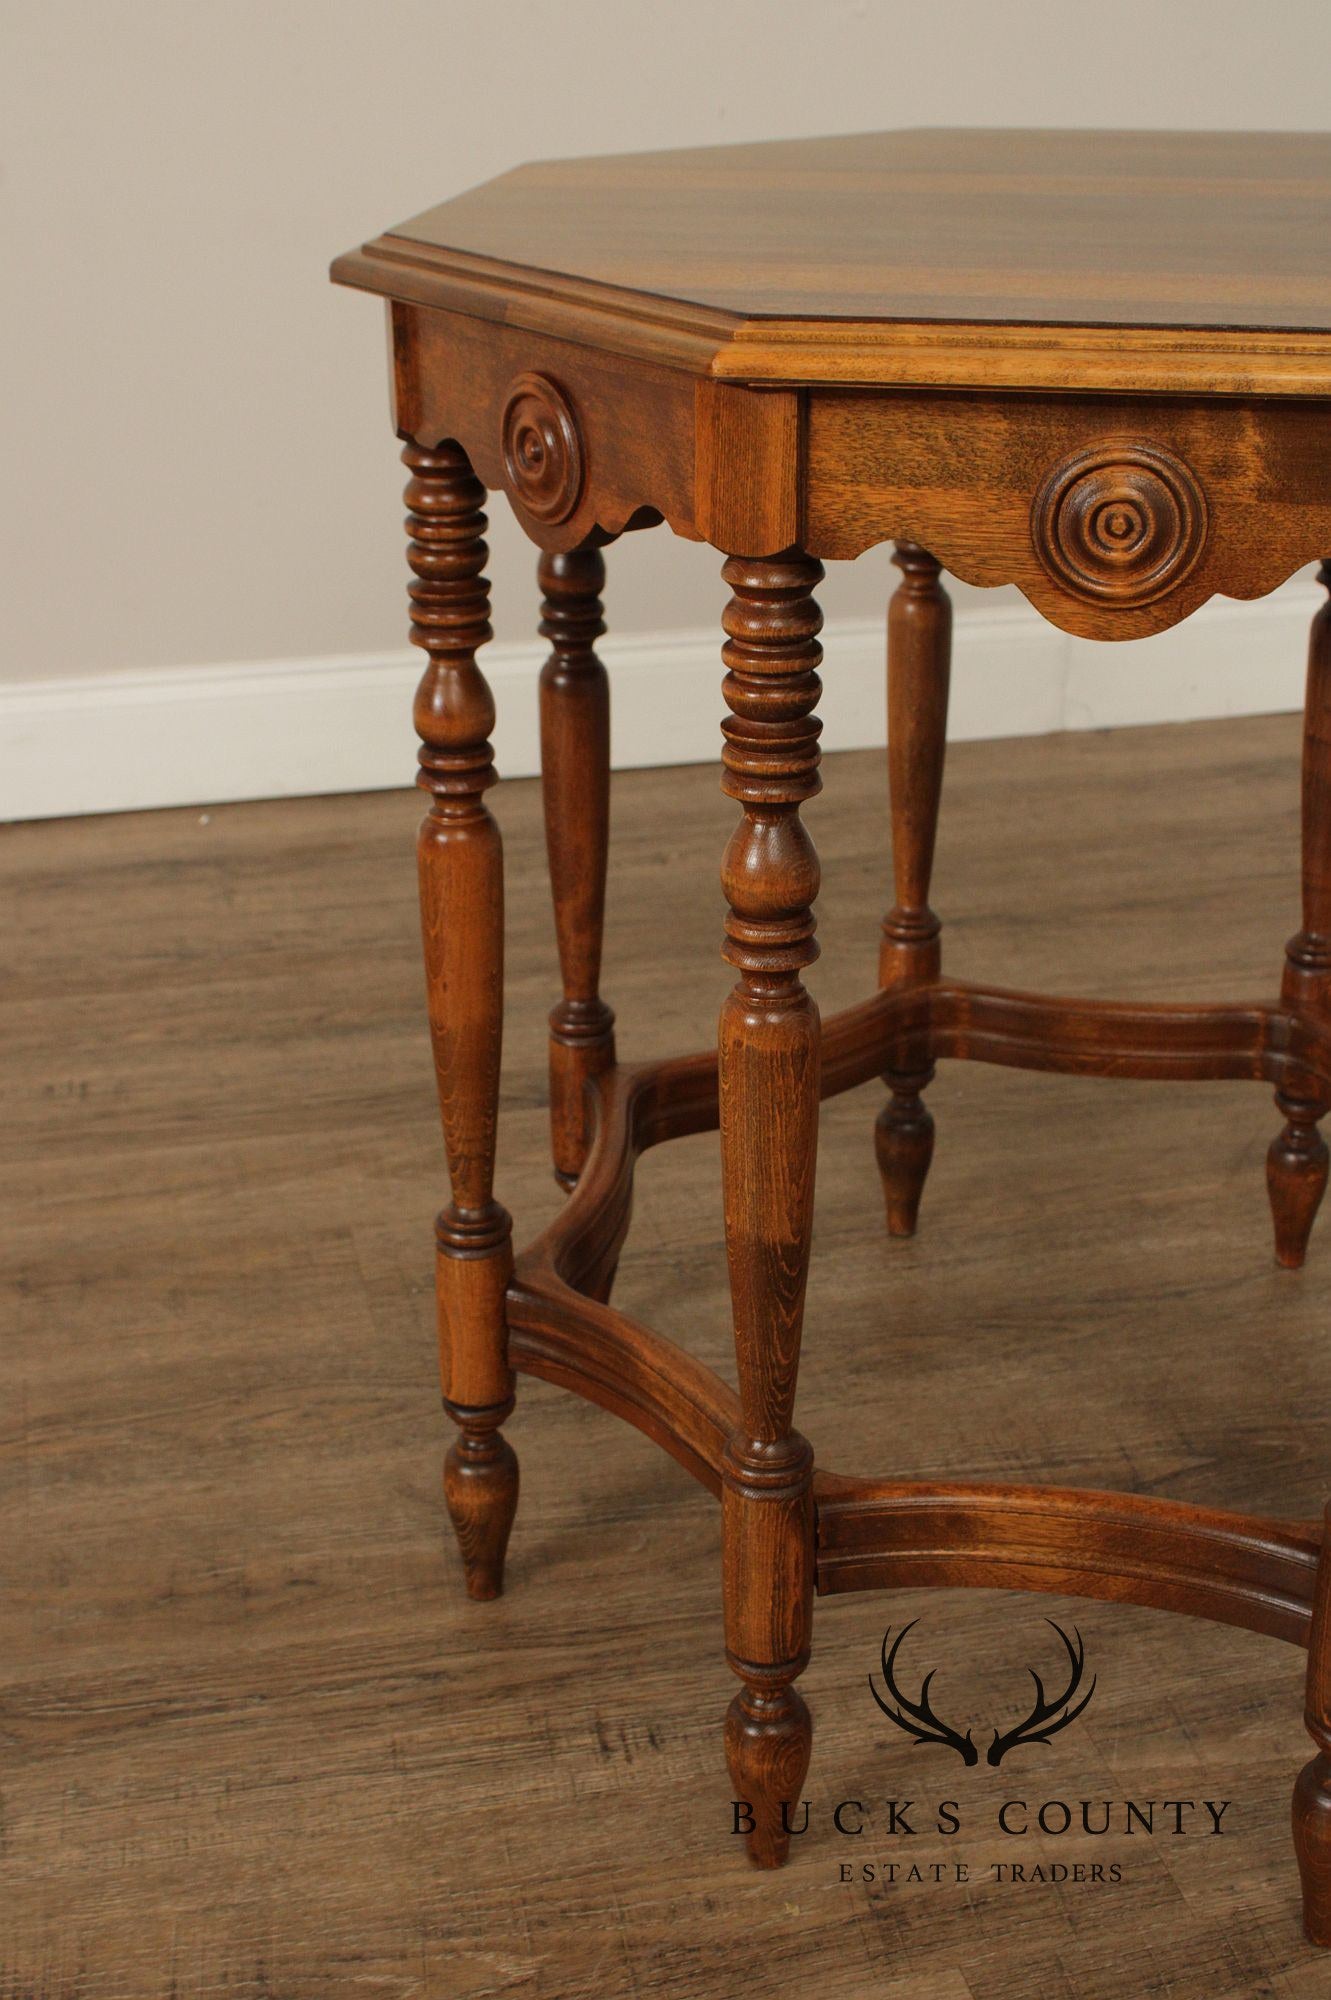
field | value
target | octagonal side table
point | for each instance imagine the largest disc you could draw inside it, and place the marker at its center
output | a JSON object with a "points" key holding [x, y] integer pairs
{"points": [[1095, 366]]}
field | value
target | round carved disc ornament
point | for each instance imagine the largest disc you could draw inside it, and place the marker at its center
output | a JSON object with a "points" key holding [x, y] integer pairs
{"points": [[1119, 522], [542, 448]]}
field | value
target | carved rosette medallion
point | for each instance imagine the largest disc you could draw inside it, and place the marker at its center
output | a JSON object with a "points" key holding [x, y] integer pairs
{"points": [[543, 452], [1119, 522]]}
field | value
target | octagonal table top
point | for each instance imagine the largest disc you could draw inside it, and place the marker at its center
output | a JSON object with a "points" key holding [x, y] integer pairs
{"points": [[907, 256]]}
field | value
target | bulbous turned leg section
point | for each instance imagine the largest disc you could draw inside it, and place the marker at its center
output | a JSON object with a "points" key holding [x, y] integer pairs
{"points": [[904, 1143], [768, 1063], [769, 1739], [460, 865], [481, 1493], [1312, 1789], [919, 644], [1296, 1172]]}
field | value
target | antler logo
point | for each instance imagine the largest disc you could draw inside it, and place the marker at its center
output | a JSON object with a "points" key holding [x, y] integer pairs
{"points": [[1047, 1716]]}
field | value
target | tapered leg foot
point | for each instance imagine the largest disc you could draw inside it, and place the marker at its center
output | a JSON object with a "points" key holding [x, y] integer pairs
{"points": [[904, 1143], [1312, 1845], [769, 1737], [1296, 1174], [481, 1492]]}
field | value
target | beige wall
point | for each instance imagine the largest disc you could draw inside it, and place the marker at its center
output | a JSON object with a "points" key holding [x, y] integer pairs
{"points": [[198, 460]]}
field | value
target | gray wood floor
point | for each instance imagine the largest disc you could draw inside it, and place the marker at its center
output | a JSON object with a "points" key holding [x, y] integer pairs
{"points": [[254, 1741]]}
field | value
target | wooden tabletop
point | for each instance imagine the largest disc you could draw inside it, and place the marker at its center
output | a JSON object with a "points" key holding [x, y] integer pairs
{"points": [[1152, 260]]}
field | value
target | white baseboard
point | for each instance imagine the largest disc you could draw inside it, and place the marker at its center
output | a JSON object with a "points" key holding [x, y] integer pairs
{"points": [[285, 728]]}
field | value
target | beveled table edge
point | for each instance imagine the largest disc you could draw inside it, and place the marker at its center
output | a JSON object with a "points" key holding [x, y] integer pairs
{"points": [[959, 354]]}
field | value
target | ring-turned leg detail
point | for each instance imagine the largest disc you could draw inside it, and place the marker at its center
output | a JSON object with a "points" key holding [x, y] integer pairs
{"points": [[575, 786], [462, 922], [768, 1086], [1296, 1164], [919, 648], [1312, 1790]]}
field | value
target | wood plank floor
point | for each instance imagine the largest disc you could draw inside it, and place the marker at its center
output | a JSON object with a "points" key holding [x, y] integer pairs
{"points": [[254, 1741]]}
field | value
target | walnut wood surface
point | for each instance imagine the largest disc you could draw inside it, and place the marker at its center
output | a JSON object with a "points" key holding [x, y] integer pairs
{"points": [[575, 783], [1115, 515], [919, 256], [462, 924], [783, 1533], [919, 639], [599, 344], [1213, 496], [768, 1053], [1296, 1165], [1256, 1574], [876, 1533], [255, 1735], [1312, 1790]]}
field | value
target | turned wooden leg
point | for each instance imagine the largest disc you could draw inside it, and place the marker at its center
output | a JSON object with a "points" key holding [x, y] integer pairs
{"points": [[462, 922], [768, 1053], [919, 650], [1296, 1165], [1296, 1168], [575, 784], [1312, 1788]]}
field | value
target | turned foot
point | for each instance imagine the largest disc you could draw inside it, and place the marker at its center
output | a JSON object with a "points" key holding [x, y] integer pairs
{"points": [[481, 1491], [769, 1735], [904, 1143], [1296, 1173], [1312, 1845]]}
